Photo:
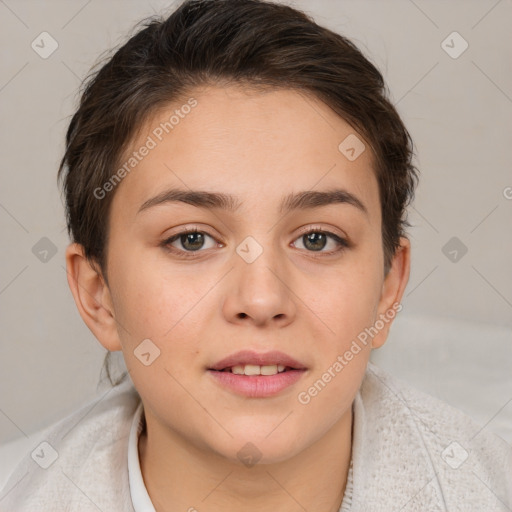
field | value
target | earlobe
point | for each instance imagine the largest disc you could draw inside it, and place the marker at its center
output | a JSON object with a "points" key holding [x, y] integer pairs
{"points": [[92, 297], [392, 290]]}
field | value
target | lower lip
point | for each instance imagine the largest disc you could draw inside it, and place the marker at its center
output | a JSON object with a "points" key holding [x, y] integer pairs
{"points": [[257, 386]]}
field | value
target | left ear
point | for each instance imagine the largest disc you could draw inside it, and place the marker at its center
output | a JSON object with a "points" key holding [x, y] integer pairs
{"points": [[392, 291]]}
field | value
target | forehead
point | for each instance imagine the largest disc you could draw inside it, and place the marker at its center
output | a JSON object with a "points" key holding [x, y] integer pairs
{"points": [[257, 145]]}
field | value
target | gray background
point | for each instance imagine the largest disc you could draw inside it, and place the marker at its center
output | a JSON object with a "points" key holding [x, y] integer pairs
{"points": [[453, 337]]}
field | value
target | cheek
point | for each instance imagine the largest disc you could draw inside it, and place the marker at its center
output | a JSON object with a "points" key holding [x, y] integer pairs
{"points": [[152, 303], [159, 317], [347, 302], [341, 355]]}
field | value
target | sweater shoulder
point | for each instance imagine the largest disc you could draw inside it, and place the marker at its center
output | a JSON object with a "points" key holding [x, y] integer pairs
{"points": [[80, 461], [467, 458]]}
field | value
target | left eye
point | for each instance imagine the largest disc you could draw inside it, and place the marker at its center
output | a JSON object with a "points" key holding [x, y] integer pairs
{"points": [[316, 240]]}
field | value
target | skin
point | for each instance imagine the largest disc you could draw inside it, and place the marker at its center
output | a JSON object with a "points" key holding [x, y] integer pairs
{"points": [[309, 304]]}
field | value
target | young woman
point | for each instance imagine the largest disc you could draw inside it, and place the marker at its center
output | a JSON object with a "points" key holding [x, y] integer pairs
{"points": [[236, 186]]}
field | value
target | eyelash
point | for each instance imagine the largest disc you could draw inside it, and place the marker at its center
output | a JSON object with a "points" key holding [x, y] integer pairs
{"points": [[343, 243]]}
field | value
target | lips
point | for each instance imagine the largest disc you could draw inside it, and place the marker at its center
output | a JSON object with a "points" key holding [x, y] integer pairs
{"points": [[253, 375], [248, 357]]}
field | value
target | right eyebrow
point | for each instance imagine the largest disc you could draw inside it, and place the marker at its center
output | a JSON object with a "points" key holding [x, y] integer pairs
{"points": [[199, 198]]}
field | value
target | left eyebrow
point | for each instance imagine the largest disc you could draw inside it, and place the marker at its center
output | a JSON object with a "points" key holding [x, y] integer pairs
{"points": [[217, 200], [316, 199]]}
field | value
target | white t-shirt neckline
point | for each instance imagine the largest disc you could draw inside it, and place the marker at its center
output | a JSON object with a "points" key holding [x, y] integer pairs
{"points": [[139, 494]]}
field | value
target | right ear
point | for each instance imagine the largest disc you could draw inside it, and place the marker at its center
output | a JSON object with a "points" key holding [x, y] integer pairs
{"points": [[92, 297]]}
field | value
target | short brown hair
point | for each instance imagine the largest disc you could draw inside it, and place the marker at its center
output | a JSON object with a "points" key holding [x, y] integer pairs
{"points": [[253, 43]]}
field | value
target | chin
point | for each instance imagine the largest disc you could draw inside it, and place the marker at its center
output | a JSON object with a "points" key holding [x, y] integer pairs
{"points": [[262, 448]]}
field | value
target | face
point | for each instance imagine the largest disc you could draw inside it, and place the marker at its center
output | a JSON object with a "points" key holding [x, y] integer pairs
{"points": [[269, 273]]}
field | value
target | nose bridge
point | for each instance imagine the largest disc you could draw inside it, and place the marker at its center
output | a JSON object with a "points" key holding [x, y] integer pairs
{"points": [[258, 263], [260, 292]]}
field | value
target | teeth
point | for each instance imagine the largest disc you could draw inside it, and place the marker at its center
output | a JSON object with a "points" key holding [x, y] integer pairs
{"points": [[254, 369], [238, 370]]}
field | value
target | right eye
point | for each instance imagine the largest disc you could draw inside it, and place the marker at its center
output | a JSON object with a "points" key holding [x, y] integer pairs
{"points": [[191, 241]]}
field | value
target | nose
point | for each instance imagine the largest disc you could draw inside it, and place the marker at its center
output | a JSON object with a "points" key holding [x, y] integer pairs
{"points": [[259, 292]]}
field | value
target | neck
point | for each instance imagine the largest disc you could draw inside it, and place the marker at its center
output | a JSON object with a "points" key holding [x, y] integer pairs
{"points": [[180, 477]]}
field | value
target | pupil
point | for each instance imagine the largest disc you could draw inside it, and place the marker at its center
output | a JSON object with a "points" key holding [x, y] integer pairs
{"points": [[315, 238], [189, 237]]}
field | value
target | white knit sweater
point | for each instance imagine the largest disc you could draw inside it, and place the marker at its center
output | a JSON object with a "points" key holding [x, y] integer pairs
{"points": [[410, 452]]}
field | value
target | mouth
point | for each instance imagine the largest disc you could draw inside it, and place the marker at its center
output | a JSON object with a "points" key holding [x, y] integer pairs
{"points": [[248, 362], [254, 369], [256, 375]]}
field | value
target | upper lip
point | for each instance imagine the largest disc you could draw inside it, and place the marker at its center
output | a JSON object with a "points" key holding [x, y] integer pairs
{"points": [[244, 357]]}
